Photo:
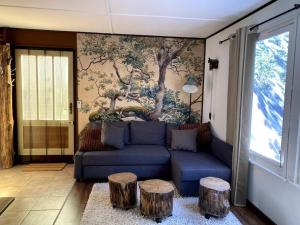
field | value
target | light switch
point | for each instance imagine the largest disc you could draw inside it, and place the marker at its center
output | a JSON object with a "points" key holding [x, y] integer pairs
{"points": [[78, 104]]}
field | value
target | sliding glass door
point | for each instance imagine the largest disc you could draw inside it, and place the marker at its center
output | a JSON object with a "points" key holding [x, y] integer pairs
{"points": [[45, 102]]}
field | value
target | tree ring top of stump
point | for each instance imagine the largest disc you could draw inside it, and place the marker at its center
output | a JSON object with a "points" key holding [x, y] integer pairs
{"points": [[122, 178], [156, 186], [215, 183]]}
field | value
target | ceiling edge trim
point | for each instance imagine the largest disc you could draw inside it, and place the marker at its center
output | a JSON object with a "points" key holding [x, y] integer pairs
{"points": [[243, 17]]}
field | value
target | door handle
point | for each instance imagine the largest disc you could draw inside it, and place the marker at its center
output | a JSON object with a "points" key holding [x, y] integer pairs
{"points": [[71, 108]]}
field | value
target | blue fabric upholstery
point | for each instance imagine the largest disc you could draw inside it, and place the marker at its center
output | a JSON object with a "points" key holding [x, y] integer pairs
{"points": [[148, 133], [188, 168], [130, 155], [142, 171], [124, 125], [169, 128], [222, 151], [153, 161], [78, 165], [194, 166]]}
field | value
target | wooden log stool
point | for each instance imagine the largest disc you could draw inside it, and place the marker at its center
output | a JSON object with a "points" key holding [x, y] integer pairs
{"points": [[156, 199], [214, 197], [122, 188]]}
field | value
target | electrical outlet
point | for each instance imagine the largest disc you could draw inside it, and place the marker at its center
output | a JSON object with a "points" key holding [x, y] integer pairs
{"points": [[78, 104]]}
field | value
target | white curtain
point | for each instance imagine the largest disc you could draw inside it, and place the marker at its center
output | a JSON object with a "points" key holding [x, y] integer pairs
{"points": [[242, 56]]}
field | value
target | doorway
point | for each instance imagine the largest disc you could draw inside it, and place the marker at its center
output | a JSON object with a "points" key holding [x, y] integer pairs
{"points": [[45, 114]]}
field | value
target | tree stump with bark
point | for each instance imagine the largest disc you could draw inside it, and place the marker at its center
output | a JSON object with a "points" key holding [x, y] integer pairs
{"points": [[6, 110], [214, 197], [156, 199], [123, 188]]}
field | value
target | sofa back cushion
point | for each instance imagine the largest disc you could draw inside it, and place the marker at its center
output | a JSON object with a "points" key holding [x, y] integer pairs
{"points": [[222, 151], [148, 133], [90, 139], [204, 136]]}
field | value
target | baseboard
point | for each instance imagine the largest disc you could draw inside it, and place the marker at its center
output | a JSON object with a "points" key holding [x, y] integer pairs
{"points": [[42, 158], [259, 213]]}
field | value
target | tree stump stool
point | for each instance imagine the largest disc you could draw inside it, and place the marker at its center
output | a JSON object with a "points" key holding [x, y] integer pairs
{"points": [[156, 199], [123, 188], [214, 197]]}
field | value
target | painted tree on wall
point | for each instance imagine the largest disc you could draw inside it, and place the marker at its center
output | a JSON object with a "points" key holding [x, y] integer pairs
{"points": [[134, 61]]}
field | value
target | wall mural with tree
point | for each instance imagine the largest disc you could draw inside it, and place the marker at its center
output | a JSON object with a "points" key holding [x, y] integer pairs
{"points": [[123, 77]]}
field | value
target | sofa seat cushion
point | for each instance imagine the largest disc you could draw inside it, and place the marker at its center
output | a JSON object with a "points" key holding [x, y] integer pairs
{"points": [[190, 166], [130, 155]]}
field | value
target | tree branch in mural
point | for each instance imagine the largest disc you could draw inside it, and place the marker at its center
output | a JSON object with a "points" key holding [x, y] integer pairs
{"points": [[133, 62]]}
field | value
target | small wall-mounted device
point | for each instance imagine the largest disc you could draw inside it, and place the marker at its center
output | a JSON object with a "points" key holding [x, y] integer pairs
{"points": [[213, 63], [78, 104]]}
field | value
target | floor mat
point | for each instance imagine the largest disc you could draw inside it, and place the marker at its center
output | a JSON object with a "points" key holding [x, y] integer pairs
{"points": [[4, 203], [44, 167]]}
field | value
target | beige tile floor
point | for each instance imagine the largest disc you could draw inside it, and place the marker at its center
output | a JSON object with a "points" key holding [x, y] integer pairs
{"points": [[39, 196]]}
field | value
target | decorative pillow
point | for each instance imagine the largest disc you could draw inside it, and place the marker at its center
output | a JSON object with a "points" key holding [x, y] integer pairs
{"points": [[90, 140], [204, 136], [184, 140], [170, 127], [148, 133], [112, 136]]}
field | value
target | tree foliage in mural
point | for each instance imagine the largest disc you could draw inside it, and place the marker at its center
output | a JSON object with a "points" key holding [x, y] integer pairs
{"points": [[138, 68]]}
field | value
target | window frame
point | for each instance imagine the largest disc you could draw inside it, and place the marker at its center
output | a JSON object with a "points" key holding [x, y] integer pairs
{"points": [[266, 31]]}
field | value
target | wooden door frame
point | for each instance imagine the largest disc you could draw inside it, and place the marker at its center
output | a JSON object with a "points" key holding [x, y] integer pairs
{"points": [[39, 158]]}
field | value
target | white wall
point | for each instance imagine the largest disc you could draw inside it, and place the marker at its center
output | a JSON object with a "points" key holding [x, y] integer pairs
{"points": [[274, 196]]}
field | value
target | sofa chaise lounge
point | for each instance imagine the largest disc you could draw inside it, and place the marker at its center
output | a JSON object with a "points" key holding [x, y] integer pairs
{"points": [[148, 155]]}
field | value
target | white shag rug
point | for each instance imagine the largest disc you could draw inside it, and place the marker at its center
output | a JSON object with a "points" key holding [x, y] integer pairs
{"points": [[185, 212]]}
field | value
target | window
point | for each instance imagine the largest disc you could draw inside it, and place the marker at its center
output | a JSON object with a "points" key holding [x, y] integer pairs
{"points": [[272, 87], [271, 55], [44, 86]]}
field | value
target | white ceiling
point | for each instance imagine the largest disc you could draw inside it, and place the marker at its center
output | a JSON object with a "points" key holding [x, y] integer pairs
{"points": [[181, 18]]}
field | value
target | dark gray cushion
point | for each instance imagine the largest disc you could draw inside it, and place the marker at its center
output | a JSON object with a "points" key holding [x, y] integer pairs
{"points": [[184, 140], [112, 136], [147, 133], [130, 155], [169, 128], [190, 166]]}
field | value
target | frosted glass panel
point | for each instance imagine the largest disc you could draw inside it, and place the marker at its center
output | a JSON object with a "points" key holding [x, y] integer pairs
{"points": [[45, 87], [61, 88], [29, 89]]}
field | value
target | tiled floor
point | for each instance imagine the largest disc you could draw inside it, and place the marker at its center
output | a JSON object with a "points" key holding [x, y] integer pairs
{"points": [[39, 195]]}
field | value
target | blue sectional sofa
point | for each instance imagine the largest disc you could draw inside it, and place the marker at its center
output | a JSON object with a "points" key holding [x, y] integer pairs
{"points": [[156, 160]]}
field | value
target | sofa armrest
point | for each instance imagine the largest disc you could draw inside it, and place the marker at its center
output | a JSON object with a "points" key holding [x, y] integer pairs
{"points": [[222, 151], [78, 165]]}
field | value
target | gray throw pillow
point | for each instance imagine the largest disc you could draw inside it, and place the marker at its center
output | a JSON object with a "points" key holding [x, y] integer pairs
{"points": [[184, 140], [112, 136]]}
